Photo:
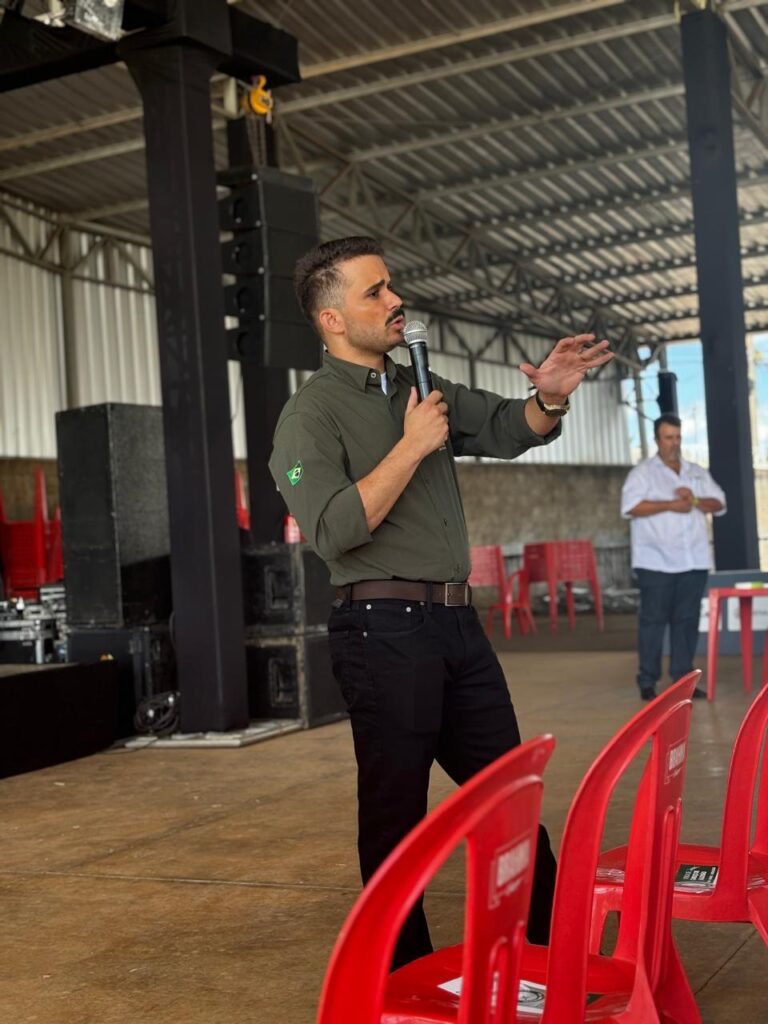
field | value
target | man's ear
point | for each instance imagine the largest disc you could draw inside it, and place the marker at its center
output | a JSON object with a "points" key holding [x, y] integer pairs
{"points": [[330, 321]]}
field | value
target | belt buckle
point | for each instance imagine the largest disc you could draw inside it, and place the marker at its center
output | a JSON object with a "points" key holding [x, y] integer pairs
{"points": [[460, 601]]}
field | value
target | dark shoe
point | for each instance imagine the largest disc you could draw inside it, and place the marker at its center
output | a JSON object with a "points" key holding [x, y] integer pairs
{"points": [[699, 694], [647, 693]]}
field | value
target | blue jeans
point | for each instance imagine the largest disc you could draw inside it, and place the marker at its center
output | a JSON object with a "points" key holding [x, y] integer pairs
{"points": [[668, 599]]}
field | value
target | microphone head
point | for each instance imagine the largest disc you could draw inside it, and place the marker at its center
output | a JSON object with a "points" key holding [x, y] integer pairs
{"points": [[415, 333]]}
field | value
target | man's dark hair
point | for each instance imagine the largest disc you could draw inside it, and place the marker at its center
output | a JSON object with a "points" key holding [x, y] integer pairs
{"points": [[666, 417], [317, 278]]}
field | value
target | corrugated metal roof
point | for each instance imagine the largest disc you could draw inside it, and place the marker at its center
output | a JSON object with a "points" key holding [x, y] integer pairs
{"points": [[551, 134]]}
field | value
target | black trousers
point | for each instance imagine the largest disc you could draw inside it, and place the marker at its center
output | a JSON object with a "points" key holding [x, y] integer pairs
{"points": [[422, 685], [668, 599]]}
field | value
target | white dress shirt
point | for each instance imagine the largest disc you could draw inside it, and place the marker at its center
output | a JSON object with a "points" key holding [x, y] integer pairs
{"points": [[669, 541]]}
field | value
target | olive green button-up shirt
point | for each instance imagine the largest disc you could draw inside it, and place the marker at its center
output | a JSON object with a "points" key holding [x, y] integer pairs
{"points": [[340, 425]]}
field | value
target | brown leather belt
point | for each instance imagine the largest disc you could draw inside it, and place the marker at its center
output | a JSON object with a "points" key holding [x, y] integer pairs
{"points": [[457, 595]]}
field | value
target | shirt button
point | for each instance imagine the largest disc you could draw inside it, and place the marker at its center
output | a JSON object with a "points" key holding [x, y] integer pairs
{"points": [[445, 522], [373, 375]]}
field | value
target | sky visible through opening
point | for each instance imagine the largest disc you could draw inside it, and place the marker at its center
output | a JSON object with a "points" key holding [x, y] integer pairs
{"points": [[685, 360]]}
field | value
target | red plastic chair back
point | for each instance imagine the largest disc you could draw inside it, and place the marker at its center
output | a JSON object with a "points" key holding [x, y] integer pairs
{"points": [[747, 777], [645, 935], [575, 560], [487, 567], [497, 812]]}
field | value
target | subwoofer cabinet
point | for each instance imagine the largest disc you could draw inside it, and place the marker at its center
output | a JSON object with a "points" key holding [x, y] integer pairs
{"points": [[290, 677], [286, 588]]}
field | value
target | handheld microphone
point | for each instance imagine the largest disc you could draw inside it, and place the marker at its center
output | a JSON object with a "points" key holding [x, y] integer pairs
{"points": [[415, 334]]}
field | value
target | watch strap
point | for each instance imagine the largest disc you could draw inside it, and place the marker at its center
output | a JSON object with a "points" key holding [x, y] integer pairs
{"points": [[552, 410]]}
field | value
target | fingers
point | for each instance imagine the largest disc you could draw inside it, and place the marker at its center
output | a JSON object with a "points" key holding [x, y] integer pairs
{"points": [[413, 400], [434, 397]]}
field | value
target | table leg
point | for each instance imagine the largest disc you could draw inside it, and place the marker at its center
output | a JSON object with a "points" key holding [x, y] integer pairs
{"points": [[764, 678], [712, 642], [745, 623]]}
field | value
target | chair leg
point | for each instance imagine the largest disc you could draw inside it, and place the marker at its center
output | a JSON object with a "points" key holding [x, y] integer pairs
{"points": [[507, 621], [674, 999], [758, 911]]}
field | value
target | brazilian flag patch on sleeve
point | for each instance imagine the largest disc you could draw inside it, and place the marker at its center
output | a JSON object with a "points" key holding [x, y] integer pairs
{"points": [[295, 474]]}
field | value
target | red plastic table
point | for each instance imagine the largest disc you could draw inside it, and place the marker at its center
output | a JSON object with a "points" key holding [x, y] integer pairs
{"points": [[745, 596], [564, 561]]}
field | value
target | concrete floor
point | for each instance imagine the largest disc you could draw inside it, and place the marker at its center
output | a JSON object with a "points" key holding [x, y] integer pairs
{"points": [[207, 886]]}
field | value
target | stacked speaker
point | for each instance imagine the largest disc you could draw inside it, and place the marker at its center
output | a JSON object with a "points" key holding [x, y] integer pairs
{"points": [[272, 220], [287, 598], [115, 540]]}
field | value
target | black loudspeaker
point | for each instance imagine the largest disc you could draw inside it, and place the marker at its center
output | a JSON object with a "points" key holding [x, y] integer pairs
{"points": [[145, 660], [273, 217], [286, 588], [291, 677], [114, 515]]}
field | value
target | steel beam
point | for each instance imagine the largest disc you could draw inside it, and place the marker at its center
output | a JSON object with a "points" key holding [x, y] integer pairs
{"points": [[721, 293], [205, 558]]}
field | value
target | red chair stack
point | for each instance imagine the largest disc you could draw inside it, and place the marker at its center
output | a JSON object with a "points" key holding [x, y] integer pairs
{"points": [[24, 547], [512, 591]]}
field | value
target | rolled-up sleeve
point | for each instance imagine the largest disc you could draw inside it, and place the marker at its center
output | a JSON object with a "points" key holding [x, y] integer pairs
{"points": [[482, 423], [714, 490], [308, 465], [634, 491]]}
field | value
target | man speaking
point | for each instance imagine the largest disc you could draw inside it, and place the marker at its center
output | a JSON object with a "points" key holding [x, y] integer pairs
{"points": [[367, 470]]}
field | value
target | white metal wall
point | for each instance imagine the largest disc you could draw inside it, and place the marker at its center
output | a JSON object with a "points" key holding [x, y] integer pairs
{"points": [[31, 377], [116, 345]]}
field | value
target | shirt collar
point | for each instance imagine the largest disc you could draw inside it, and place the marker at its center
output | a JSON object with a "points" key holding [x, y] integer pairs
{"points": [[660, 462], [359, 376]]}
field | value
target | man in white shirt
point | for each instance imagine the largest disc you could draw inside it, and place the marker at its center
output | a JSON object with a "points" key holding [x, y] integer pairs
{"points": [[667, 500]]}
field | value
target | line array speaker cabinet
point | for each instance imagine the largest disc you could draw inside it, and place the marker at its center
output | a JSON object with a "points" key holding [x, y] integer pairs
{"points": [[291, 677], [114, 515], [286, 588], [273, 217]]}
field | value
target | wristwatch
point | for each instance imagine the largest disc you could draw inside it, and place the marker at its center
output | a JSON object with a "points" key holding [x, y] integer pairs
{"points": [[552, 410]]}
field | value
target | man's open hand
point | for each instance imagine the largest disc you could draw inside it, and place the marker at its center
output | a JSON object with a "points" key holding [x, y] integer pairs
{"points": [[564, 368]]}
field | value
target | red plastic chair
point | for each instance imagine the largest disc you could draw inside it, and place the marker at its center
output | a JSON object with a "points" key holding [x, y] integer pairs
{"points": [[513, 591], [739, 892], [497, 812], [564, 561], [642, 981]]}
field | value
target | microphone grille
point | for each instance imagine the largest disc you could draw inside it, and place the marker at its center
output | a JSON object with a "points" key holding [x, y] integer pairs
{"points": [[415, 333]]}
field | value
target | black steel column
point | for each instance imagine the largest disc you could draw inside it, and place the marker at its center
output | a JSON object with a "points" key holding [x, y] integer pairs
{"points": [[721, 296], [265, 392], [205, 558]]}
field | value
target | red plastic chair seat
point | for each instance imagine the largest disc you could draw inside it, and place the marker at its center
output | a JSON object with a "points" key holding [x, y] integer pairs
{"points": [[414, 993]]}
